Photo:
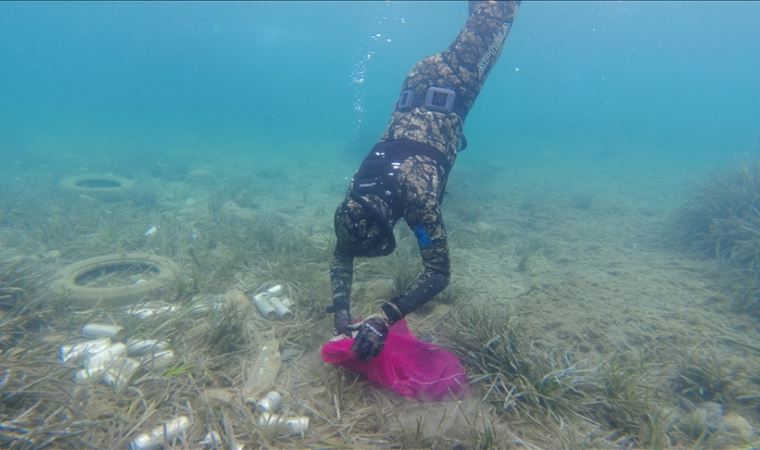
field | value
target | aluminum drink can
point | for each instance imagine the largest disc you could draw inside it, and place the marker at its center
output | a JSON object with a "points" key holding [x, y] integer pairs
{"points": [[270, 403], [174, 430], [106, 357], [83, 349], [101, 330], [263, 304]]}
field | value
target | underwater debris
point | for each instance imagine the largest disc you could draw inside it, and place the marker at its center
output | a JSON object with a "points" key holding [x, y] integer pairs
{"points": [[98, 364], [213, 441], [281, 310], [158, 360], [110, 363], [118, 374], [104, 186], [88, 282], [270, 403], [172, 432], [83, 349], [149, 310], [272, 304], [141, 347], [289, 426], [106, 356], [264, 306], [101, 330], [260, 375]]}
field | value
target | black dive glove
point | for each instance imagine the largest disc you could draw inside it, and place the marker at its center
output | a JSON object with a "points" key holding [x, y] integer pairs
{"points": [[342, 322], [370, 338]]}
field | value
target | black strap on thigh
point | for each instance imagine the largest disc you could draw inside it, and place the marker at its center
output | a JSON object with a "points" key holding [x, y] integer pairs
{"points": [[437, 98]]}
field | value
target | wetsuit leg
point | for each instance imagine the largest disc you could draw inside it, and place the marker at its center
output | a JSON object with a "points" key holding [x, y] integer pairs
{"points": [[463, 67]]}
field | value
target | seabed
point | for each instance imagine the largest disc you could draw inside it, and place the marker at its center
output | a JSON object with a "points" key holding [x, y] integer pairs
{"points": [[579, 323]]}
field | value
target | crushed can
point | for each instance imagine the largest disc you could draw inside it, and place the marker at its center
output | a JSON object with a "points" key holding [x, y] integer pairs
{"points": [[262, 302], [289, 426], [270, 403], [158, 360], [89, 374], [281, 311], [101, 330], [275, 290], [83, 350], [118, 374], [106, 357], [171, 431], [140, 347]]}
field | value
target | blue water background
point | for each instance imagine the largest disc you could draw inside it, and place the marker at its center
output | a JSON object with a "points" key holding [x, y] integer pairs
{"points": [[612, 85]]}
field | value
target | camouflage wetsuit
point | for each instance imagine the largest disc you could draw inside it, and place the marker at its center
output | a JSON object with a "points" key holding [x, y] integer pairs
{"points": [[404, 175]]}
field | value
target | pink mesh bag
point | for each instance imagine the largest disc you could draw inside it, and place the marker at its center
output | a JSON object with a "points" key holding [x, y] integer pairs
{"points": [[407, 365]]}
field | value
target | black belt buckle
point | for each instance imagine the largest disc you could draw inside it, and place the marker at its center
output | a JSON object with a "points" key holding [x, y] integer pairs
{"points": [[440, 99], [406, 100]]}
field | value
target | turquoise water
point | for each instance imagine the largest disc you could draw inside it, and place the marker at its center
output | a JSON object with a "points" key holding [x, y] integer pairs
{"points": [[239, 124], [581, 83]]}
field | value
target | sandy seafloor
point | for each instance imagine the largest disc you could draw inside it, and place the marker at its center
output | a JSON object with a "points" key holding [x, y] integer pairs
{"points": [[582, 255]]}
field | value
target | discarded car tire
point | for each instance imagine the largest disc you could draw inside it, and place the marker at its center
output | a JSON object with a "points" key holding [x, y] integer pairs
{"points": [[69, 287], [98, 185]]}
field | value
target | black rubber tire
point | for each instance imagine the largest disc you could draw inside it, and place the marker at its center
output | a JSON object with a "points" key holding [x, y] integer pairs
{"points": [[68, 291], [103, 185]]}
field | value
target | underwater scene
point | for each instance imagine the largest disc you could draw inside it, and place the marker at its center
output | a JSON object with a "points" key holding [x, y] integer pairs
{"points": [[169, 178]]}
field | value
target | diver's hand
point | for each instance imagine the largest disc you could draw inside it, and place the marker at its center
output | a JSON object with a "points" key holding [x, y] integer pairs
{"points": [[342, 323], [370, 338]]}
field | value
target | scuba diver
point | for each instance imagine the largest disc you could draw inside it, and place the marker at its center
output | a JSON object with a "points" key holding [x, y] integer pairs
{"points": [[405, 174]]}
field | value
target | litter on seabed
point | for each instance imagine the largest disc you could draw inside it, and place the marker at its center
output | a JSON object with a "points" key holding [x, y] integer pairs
{"points": [[140, 347], [290, 426], [280, 309], [264, 306], [120, 373], [271, 403], [83, 350], [261, 374], [148, 310], [101, 330], [172, 432], [213, 441], [272, 304], [158, 360], [97, 364]]}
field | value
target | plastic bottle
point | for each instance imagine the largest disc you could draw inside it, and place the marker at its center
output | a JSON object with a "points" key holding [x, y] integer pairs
{"points": [[262, 373], [120, 373]]}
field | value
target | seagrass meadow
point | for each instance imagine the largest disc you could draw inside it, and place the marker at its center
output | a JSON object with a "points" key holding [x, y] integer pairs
{"points": [[161, 163]]}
